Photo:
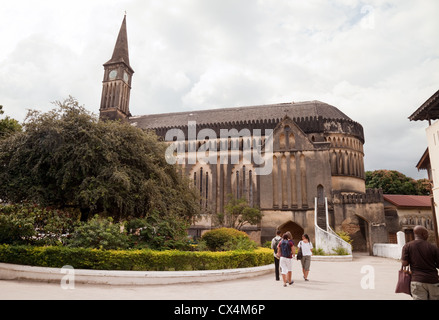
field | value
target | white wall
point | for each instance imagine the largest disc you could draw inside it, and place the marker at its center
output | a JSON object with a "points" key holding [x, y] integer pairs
{"points": [[389, 250], [329, 241], [433, 149]]}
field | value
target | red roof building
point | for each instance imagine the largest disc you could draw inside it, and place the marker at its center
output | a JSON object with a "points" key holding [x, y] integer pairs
{"points": [[404, 212], [408, 201]]}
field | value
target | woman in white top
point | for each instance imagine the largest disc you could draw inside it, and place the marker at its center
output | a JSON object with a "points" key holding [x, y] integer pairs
{"points": [[306, 247]]}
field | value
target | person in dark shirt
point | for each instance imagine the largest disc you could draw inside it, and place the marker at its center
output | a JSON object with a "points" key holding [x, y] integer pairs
{"points": [[423, 258], [274, 244]]}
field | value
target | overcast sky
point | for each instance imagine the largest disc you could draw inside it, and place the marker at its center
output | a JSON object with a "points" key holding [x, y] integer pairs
{"points": [[377, 61]]}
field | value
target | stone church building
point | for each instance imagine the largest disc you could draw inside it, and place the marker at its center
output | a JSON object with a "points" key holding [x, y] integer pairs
{"points": [[317, 159]]}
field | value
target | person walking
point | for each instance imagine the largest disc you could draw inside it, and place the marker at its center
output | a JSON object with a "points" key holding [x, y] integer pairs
{"points": [[423, 259], [306, 247], [286, 254], [274, 245]]}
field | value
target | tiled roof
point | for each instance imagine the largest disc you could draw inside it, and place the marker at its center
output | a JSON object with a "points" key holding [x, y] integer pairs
{"points": [[429, 109], [408, 200], [424, 162], [310, 109]]}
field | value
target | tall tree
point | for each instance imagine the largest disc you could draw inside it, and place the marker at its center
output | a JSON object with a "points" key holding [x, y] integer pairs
{"points": [[394, 182], [66, 157]]}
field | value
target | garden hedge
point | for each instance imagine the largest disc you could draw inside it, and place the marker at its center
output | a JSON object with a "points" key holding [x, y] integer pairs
{"points": [[139, 260]]}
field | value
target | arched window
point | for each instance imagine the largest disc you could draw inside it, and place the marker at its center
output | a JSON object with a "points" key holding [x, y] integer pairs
{"points": [[320, 195], [207, 190], [243, 182], [237, 185], [250, 185], [282, 141], [291, 141], [201, 181]]}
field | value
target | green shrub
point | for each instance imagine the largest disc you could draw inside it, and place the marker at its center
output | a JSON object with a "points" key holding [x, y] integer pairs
{"points": [[267, 244], [156, 233], [345, 236], [27, 224], [31, 224], [54, 226], [340, 251], [99, 233], [239, 244], [224, 239], [141, 260], [318, 252], [16, 229]]}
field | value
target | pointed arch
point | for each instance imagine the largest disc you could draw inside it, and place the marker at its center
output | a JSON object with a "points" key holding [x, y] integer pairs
{"points": [[293, 175], [201, 176], [296, 230], [244, 182], [282, 141], [275, 177], [284, 181], [303, 181], [291, 141], [333, 159]]}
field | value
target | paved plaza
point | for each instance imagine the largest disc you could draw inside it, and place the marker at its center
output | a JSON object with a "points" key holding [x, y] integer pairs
{"points": [[364, 278]]}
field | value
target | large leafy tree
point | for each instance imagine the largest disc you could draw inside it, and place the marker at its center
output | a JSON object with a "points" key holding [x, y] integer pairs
{"points": [[68, 158], [394, 182]]}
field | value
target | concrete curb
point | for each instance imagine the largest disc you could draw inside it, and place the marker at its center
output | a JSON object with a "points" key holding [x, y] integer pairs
{"points": [[332, 258], [128, 278], [141, 278]]}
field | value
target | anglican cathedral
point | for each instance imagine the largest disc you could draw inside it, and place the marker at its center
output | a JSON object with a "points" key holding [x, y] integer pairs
{"points": [[317, 176]]}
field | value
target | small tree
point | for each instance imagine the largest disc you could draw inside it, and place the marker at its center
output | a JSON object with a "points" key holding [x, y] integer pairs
{"points": [[238, 213], [8, 126]]}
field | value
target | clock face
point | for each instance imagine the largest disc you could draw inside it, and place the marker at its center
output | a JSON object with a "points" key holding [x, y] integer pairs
{"points": [[125, 77], [113, 74]]}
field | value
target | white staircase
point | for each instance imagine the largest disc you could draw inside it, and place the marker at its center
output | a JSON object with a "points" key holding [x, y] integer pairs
{"points": [[327, 239]]}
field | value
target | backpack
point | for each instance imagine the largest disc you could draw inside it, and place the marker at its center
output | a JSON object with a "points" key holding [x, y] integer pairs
{"points": [[285, 248]]}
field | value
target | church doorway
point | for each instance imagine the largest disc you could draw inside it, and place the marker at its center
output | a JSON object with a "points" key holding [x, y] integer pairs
{"points": [[362, 241], [409, 235], [296, 231]]}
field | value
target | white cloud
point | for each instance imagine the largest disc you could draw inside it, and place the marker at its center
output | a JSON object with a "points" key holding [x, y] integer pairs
{"points": [[374, 60]]}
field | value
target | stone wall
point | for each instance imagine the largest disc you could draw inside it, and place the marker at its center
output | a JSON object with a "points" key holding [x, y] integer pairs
{"points": [[389, 250], [362, 217]]}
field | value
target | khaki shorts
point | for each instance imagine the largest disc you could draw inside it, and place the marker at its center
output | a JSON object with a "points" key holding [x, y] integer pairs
{"points": [[424, 291], [306, 262]]}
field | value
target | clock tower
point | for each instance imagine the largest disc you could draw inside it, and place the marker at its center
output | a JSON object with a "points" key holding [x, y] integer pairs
{"points": [[118, 73]]}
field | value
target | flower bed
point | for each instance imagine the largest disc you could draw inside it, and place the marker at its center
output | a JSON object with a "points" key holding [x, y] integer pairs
{"points": [[139, 260]]}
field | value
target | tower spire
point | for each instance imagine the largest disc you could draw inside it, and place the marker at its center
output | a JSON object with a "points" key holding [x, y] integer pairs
{"points": [[120, 53], [115, 100]]}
